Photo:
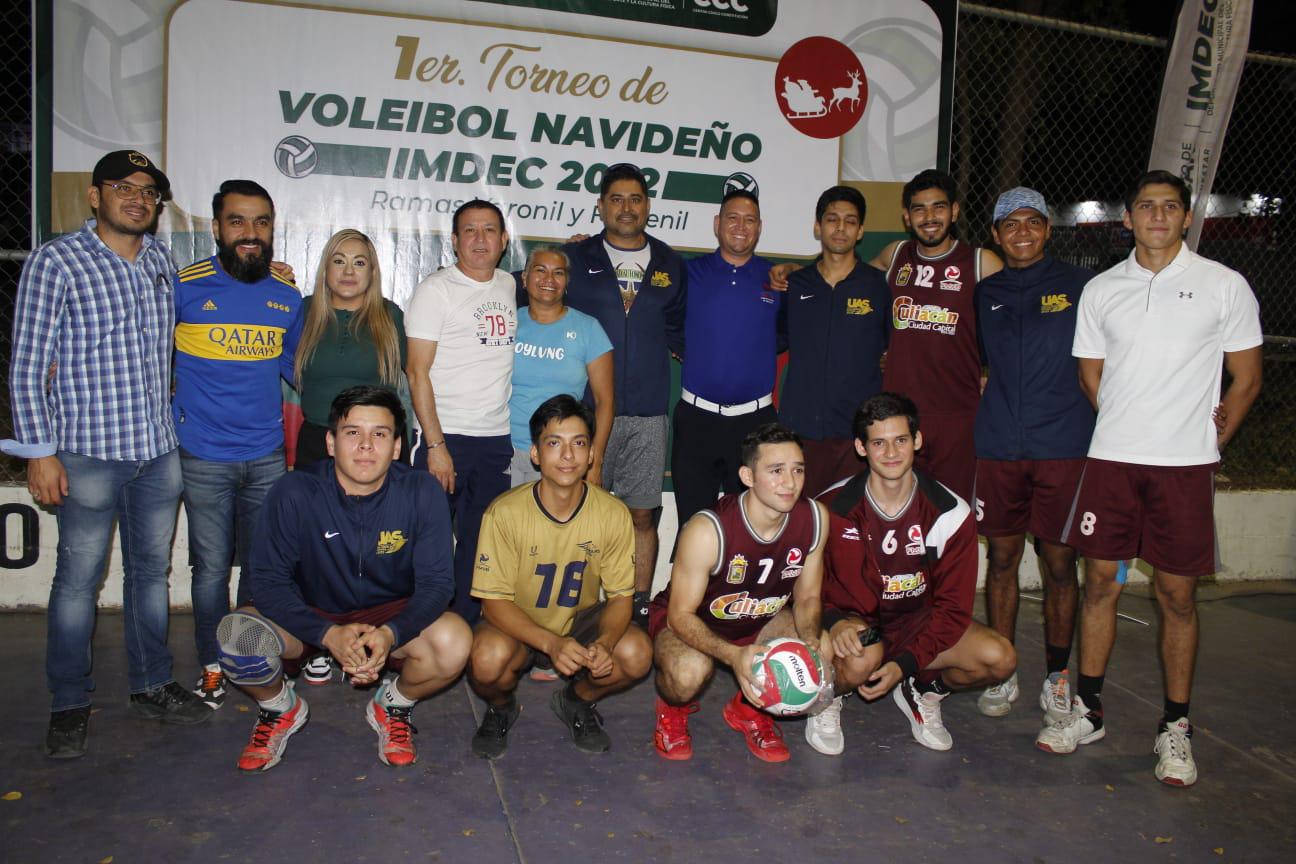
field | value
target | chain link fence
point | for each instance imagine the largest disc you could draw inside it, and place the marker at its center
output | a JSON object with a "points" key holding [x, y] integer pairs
{"points": [[1064, 108], [16, 154], [1070, 110]]}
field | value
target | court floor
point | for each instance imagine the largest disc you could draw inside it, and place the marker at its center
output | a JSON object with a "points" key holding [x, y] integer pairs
{"points": [[150, 793]]}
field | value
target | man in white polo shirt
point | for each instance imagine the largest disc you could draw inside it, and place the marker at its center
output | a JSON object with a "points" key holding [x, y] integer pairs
{"points": [[461, 324], [1152, 335]]}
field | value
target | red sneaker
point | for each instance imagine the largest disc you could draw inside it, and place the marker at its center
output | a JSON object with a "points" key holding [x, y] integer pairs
{"points": [[395, 744], [672, 736], [270, 736], [764, 739]]}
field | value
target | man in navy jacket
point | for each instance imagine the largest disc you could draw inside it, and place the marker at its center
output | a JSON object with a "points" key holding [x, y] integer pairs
{"points": [[1032, 432], [637, 288], [353, 556]]}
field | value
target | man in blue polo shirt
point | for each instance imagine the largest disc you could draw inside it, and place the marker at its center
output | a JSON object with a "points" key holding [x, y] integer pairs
{"points": [[232, 312], [1032, 432], [838, 325], [732, 339]]}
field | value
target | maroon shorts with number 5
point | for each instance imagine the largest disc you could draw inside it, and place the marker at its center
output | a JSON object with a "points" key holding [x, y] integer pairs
{"points": [[1035, 495], [1162, 514]]}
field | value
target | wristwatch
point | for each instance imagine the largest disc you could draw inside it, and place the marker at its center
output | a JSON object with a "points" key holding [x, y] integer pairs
{"points": [[870, 636]]}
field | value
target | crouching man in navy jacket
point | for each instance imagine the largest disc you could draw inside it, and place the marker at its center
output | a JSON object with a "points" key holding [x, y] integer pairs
{"points": [[353, 556]]}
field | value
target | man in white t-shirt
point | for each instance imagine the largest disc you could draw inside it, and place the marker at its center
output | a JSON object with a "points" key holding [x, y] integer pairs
{"points": [[1152, 336], [461, 323]]}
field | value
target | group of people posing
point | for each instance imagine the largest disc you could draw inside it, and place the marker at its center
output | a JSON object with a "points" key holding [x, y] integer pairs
{"points": [[510, 525]]}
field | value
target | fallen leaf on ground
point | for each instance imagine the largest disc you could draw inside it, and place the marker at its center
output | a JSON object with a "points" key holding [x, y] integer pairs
{"points": [[11, 796], [900, 820], [1111, 788], [1165, 839]]}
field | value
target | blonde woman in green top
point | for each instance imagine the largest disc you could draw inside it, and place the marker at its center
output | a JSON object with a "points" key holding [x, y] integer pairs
{"points": [[349, 334]]}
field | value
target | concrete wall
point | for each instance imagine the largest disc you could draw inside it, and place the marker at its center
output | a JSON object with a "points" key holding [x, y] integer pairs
{"points": [[1257, 532]]}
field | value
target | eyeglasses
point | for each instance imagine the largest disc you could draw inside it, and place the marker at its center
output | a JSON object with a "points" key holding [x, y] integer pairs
{"points": [[129, 192]]}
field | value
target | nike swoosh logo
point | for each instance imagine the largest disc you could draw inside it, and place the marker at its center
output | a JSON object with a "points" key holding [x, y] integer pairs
{"points": [[593, 271], [993, 306], [806, 296], [329, 535]]}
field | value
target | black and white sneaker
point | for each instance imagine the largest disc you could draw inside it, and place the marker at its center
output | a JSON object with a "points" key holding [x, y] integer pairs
{"points": [[211, 688], [170, 703], [318, 670]]}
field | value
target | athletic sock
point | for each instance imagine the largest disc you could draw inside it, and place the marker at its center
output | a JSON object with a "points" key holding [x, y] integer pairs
{"points": [[283, 701], [1173, 711], [212, 667], [1056, 657], [390, 697], [931, 682], [1089, 689]]}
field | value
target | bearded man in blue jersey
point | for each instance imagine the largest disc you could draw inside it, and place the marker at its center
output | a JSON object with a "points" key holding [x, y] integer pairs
{"points": [[232, 312]]}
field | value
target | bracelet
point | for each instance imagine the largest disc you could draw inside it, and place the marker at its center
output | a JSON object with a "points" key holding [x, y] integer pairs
{"points": [[440, 443]]}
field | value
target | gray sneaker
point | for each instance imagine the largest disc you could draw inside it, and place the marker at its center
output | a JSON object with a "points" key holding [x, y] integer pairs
{"points": [[997, 701]]}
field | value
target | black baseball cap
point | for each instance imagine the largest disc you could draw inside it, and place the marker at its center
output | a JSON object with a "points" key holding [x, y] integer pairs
{"points": [[120, 164]]}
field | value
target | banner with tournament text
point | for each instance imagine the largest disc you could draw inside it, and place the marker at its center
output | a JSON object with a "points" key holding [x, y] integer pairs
{"points": [[385, 115]]}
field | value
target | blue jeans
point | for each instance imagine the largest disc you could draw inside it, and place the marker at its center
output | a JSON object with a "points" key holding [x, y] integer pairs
{"points": [[222, 501], [482, 473], [142, 497]]}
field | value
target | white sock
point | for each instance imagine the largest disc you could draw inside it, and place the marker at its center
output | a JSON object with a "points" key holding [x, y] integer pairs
{"points": [[212, 667], [390, 697], [283, 701]]}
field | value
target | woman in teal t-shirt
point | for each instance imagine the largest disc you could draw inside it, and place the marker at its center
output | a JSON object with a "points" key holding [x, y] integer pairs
{"points": [[349, 334], [558, 350]]}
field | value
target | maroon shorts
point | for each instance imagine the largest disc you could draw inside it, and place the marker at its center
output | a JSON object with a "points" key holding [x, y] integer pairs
{"points": [[657, 622], [1035, 495], [827, 461], [1162, 514], [948, 453], [373, 615]]}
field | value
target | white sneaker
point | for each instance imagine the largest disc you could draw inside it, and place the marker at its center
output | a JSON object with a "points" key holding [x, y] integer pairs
{"points": [[924, 713], [997, 701], [1064, 735], [1055, 697], [823, 731], [1175, 767]]}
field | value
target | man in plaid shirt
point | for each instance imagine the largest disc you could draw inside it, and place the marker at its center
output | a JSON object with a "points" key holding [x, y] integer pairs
{"points": [[90, 389]]}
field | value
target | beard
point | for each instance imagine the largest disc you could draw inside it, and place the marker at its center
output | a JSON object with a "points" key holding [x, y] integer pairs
{"points": [[933, 242], [251, 269]]}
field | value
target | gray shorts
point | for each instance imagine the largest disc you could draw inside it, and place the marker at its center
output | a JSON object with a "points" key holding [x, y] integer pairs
{"points": [[635, 461], [521, 468]]}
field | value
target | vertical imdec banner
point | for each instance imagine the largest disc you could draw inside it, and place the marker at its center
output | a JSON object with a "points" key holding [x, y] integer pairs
{"points": [[385, 115], [1201, 81]]}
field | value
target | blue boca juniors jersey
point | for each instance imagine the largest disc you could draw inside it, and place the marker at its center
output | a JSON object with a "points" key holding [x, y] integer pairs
{"points": [[229, 337]]}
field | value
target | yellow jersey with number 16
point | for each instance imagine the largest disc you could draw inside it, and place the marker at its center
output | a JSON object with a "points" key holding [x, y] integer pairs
{"points": [[552, 569]]}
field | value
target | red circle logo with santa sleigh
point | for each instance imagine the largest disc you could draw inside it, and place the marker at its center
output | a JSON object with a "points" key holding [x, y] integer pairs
{"points": [[820, 87]]}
